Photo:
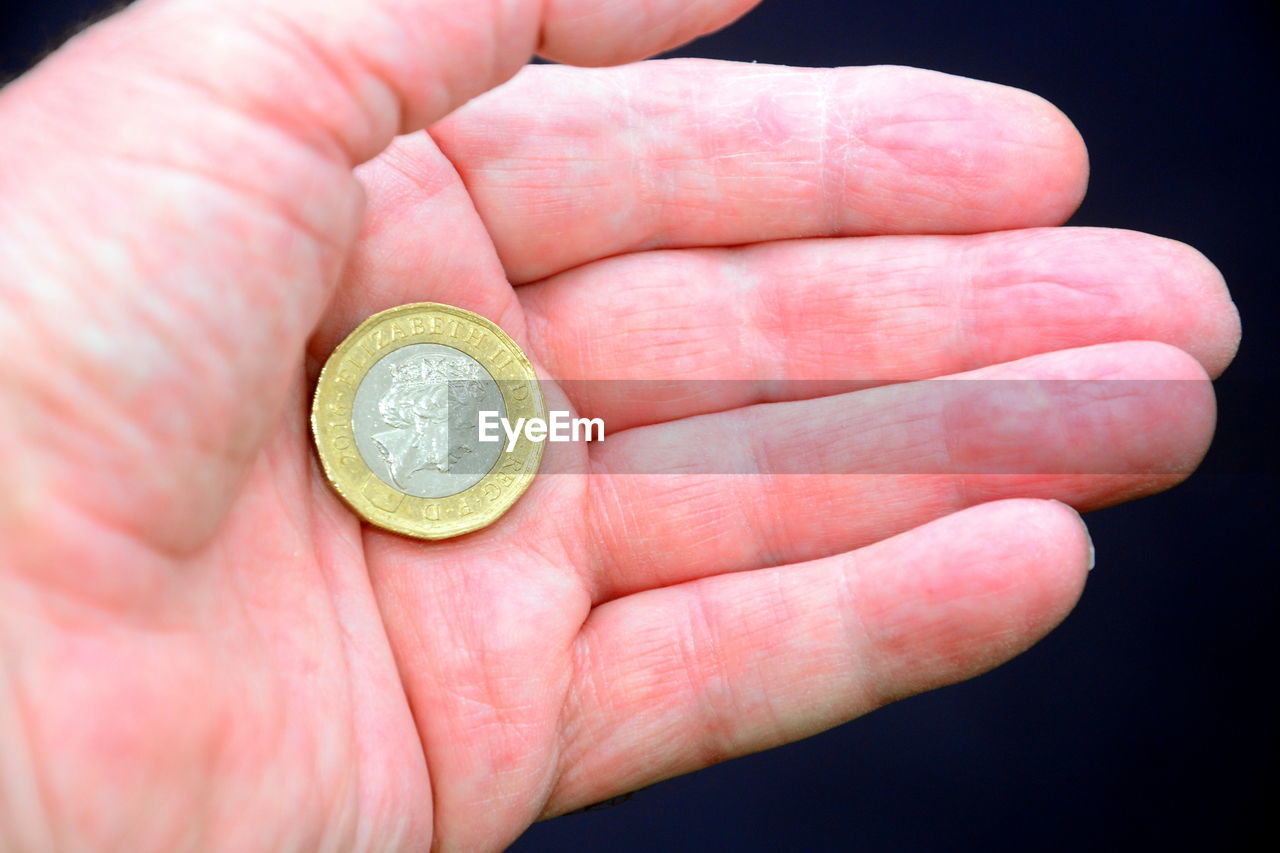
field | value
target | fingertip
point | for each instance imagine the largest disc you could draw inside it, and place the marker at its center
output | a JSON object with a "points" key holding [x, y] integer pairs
{"points": [[1049, 161], [1214, 337], [1019, 161], [1184, 393], [1042, 553], [1046, 540], [986, 584], [1050, 289], [1070, 529], [1059, 157], [1090, 553], [1055, 581]]}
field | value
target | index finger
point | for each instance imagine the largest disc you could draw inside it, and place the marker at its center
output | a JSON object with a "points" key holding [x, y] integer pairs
{"points": [[569, 165]]}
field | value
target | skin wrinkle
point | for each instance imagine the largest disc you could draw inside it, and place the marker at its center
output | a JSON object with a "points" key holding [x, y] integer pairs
{"points": [[317, 65], [663, 179], [640, 652], [40, 383], [272, 729], [404, 673], [961, 298], [132, 589], [334, 246], [388, 275], [357, 781], [62, 401], [365, 826], [583, 692], [829, 205], [776, 731], [160, 607], [862, 663], [178, 92], [331, 148], [760, 464], [761, 313], [701, 669], [422, 188], [34, 821], [741, 720], [641, 164], [163, 326]]}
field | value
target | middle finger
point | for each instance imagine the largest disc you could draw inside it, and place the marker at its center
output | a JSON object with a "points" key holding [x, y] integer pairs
{"points": [[666, 335]]}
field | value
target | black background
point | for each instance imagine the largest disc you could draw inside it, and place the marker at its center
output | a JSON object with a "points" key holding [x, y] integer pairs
{"points": [[1148, 718]]}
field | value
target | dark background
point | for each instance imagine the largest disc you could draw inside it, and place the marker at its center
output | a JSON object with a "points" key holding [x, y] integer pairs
{"points": [[1148, 719]]}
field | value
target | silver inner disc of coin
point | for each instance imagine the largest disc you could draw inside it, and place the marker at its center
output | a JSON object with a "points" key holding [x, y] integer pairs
{"points": [[417, 420]]}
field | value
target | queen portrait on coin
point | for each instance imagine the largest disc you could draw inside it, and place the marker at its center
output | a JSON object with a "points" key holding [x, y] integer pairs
{"points": [[423, 422], [416, 408]]}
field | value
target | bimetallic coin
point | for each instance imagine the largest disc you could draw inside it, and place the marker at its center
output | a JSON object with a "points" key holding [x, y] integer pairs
{"points": [[396, 419]]}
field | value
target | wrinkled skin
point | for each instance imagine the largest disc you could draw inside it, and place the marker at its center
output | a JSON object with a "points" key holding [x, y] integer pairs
{"points": [[202, 648]]}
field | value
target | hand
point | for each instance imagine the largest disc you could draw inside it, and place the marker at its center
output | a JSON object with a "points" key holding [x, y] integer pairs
{"points": [[200, 646]]}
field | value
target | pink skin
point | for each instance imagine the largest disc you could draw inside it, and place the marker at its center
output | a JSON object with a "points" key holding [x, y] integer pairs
{"points": [[201, 647]]}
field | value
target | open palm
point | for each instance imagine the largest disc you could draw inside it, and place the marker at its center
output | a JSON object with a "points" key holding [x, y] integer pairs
{"points": [[201, 647]]}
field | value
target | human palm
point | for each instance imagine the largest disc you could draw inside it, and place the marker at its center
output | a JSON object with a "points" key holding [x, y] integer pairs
{"points": [[202, 647]]}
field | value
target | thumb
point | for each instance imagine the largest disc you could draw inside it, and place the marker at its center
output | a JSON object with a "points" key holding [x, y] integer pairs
{"points": [[176, 202]]}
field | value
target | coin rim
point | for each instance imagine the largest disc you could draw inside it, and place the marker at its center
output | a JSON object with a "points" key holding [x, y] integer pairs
{"points": [[490, 511]]}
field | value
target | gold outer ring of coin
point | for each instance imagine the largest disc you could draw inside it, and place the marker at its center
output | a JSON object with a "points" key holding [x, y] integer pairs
{"points": [[364, 491]]}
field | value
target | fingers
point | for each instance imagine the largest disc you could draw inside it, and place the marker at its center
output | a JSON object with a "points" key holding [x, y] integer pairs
{"points": [[178, 203], [824, 476], [780, 317], [672, 680], [568, 165]]}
